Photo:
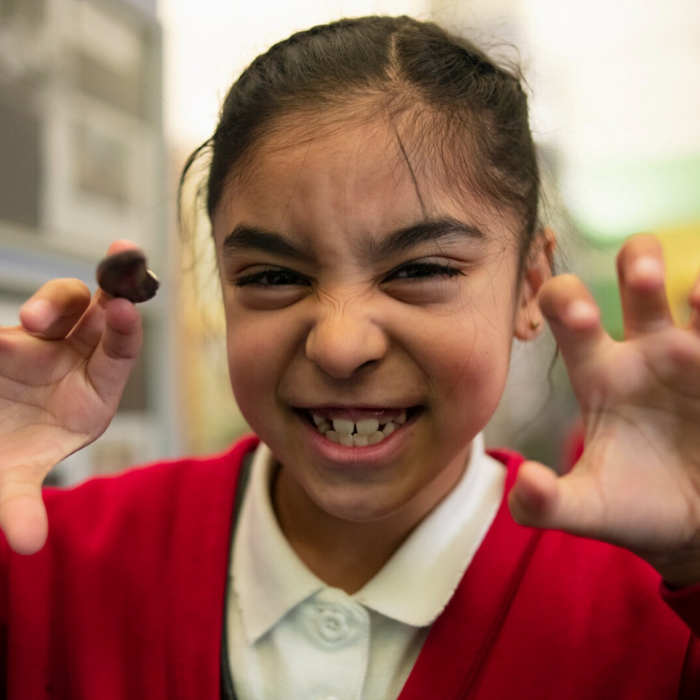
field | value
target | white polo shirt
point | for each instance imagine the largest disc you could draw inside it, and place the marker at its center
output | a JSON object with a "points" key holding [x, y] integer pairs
{"points": [[291, 636]]}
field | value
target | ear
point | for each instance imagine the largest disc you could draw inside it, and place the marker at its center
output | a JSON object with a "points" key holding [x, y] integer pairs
{"points": [[537, 269]]}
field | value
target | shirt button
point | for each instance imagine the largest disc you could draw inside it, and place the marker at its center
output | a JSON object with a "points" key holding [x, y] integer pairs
{"points": [[332, 625]]}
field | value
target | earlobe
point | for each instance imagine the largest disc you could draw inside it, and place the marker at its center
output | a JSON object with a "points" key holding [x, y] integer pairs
{"points": [[529, 320]]}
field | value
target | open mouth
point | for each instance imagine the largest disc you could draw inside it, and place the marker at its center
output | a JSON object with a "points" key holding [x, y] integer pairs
{"points": [[354, 431]]}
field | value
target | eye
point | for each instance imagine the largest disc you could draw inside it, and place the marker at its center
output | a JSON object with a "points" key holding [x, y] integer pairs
{"points": [[272, 277], [420, 271], [424, 282]]}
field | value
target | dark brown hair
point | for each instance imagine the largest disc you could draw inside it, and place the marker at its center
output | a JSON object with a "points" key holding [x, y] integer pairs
{"points": [[464, 116]]}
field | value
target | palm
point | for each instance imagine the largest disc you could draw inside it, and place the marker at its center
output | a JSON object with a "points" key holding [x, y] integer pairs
{"points": [[46, 395], [637, 483], [643, 443]]}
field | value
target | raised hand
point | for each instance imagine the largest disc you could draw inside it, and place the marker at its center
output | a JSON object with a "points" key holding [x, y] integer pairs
{"points": [[62, 373], [637, 484]]}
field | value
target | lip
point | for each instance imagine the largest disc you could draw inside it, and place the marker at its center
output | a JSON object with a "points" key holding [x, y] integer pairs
{"points": [[368, 456], [368, 406], [356, 413]]}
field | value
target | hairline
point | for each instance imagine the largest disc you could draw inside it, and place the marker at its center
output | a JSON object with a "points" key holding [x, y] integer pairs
{"points": [[372, 105]]}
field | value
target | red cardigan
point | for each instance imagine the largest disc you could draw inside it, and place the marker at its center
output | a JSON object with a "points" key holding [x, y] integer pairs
{"points": [[127, 601]]}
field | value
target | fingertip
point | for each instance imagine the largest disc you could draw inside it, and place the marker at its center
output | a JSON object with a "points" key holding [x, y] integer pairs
{"points": [[122, 315], [639, 245], [641, 272], [25, 524], [120, 342], [566, 300], [532, 498], [55, 308], [646, 272], [36, 315], [556, 291], [121, 245], [580, 315]]}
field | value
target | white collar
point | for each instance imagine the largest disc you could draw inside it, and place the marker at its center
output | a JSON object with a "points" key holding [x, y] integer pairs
{"points": [[413, 587]]}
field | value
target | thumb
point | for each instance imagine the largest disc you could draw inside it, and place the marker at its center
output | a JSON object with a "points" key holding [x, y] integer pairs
{"points": [[22, 512], [540, 498]]}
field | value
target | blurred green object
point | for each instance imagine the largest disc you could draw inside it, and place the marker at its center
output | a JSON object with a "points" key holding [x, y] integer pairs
{"points": [[616, 198], [620, 196]]}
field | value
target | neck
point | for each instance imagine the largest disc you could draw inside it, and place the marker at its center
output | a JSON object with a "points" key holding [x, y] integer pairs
{"points": [[348, 554]]}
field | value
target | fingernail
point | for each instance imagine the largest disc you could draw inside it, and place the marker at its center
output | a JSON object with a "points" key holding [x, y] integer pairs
{"points": [[39, 312], [648, 266], [580, 311]]}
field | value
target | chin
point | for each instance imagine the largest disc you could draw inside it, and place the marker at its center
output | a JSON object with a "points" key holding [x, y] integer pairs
{"points": [[363, 506]]}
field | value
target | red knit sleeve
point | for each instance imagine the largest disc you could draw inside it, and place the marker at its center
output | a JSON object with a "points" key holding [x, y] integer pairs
{"points": [[686, 604], [4, 577]]}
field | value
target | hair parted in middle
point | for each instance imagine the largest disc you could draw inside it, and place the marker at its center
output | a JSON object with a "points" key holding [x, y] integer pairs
{"points": [[457, 114]]}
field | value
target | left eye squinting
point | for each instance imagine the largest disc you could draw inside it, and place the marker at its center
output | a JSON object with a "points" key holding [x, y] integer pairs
{"points": [[272, 277], [418, 271]]}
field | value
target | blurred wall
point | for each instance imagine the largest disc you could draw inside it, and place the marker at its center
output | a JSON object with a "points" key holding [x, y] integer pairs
{"points": [[82, 154]]}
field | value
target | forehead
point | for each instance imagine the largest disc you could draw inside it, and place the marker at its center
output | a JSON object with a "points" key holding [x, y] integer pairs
{"points": [[363, 175]]}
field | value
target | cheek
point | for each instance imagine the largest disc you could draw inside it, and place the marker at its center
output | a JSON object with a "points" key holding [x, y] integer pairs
{"points": [[253, 365], [470, 341], [260, 350], [246, 377], [466, 357]]}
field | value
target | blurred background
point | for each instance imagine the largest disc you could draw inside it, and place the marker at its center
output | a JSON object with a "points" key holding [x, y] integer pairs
{"points": [[101, 101]]}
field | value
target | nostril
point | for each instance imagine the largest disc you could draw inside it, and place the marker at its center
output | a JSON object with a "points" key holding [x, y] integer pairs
{"points": [[366, 364]]}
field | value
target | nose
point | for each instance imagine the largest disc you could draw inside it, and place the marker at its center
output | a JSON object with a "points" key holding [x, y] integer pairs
{"points": [[345, 339]]}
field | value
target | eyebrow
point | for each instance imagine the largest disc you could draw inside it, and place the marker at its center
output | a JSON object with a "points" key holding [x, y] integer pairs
{"points": [[246, 237], [428, 231]]}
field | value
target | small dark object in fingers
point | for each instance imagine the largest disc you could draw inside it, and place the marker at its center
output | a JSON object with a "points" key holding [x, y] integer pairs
{"points": [[125, 275]]}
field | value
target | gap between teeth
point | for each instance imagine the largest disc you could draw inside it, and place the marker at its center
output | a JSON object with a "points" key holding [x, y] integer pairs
{"points": [[360, 434]]}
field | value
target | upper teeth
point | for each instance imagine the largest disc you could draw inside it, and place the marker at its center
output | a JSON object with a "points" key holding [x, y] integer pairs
{"points": [[366, 426], [365, 431]]}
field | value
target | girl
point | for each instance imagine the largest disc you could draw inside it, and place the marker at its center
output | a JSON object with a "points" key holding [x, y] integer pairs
{"points": [[373, 193]]}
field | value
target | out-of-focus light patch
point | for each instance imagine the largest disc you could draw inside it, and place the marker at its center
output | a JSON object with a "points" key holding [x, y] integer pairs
{"points": [[613, 199], [209, 42], [614, 99], [621, 74]]}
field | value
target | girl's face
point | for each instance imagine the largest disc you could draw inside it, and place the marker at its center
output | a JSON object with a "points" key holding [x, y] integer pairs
{"points": [[346, 302]]}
